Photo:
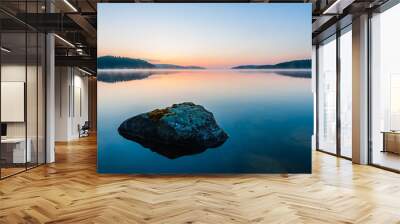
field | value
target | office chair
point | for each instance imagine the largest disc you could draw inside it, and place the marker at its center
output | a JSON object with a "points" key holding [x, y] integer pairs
{"points": [[84, 130]]}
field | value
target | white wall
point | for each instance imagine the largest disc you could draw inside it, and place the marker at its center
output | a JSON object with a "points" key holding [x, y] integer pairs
{"points": [[80, 89], [62, 82], [71, 87]]}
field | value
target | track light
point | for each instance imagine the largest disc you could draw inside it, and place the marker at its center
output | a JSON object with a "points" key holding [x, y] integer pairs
{"points": [[331, 7], [70, 5], [5, 50], [65, 41], [337, 7], [84, 71]]}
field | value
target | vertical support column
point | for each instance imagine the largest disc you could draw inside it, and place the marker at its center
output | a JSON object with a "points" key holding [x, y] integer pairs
{"points": [[360, 89], [50, 99], [50, 92]]}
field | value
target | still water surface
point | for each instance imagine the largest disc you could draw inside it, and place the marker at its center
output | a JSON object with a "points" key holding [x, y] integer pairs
{"points": [[267, 114]]}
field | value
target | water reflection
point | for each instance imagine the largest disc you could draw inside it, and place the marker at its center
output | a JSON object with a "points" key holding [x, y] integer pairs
{"points": [[168, 150], [304, 73], [268, 117], [122, 75]]}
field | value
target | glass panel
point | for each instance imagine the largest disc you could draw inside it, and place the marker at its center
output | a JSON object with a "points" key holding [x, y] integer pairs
{"points": [[23, 90], [41, 98], [31, 98], [327, 96], [385, 84], [31, 86], [394, 102], [13, 88], [346, 94]]}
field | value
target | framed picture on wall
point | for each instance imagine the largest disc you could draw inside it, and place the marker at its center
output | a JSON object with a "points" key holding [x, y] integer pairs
{"points": [[204, 88]]}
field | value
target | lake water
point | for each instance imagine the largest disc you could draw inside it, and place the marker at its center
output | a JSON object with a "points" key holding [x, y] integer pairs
{"points": [[268, 116]]}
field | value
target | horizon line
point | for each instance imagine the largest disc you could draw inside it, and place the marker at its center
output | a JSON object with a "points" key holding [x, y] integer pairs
{"points": [[247, 64]]}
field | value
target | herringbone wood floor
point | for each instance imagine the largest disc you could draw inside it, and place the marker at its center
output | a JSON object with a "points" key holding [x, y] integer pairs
{"points": [[70, 191]]}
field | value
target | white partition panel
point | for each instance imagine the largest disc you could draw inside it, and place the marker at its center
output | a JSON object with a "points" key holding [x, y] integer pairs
{"points": [[12, 101]]}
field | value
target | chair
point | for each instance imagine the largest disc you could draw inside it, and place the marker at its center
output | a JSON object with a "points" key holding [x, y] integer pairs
{"points": [[84, 130]]}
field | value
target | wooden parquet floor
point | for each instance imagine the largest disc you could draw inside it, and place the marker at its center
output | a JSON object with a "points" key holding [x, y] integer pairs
{"points": [[70, 191]]}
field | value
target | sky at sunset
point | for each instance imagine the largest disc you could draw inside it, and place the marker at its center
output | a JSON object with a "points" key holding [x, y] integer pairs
{"points": [[208, 35]]}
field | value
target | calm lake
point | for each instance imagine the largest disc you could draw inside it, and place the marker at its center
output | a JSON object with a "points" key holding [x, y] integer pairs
{"points": [[268, 116]]}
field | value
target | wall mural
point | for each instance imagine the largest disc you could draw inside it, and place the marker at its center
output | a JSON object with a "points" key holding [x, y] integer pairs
{"points": [[204, 88]]}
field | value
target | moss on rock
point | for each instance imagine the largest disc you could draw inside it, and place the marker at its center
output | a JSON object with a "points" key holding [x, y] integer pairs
{"points": [[157, 114]]}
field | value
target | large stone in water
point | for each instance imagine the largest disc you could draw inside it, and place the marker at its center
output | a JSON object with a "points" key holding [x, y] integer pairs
{"points": [[182, 129]]}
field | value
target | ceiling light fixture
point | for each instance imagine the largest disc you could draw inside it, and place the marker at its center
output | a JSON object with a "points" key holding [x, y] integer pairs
{"points": [[5, 50], [333, 6], [84, 71], [337, 7], [64, 40], [79, 51], [70, 5]]}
